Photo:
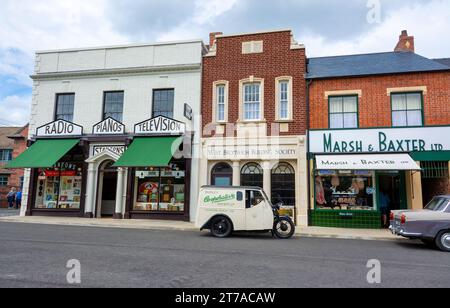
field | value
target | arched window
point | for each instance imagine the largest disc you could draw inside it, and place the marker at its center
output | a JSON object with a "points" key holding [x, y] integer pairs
{"points": [[222, 175], [283, 184], [252, 175]]}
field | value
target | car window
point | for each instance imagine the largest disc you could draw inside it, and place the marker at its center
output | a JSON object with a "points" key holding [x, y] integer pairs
{"points": [[253, 198], [437, 204]]}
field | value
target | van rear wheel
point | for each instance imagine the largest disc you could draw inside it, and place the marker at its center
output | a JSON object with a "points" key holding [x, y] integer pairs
{"points": [[221, 227]]}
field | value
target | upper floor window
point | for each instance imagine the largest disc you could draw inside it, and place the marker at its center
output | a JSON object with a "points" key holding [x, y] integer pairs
{"points": [[113, 105], [3, 180], [5, 156], [64, 107], [407, 109], [163, 103], [220, 100], [252, 101], [284, 98], [343, 112]]}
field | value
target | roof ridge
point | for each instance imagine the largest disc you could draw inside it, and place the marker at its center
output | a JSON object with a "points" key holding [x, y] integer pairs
{"points": [[354, 55]]}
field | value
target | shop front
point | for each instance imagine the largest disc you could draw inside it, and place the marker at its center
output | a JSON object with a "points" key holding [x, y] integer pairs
{"points": [[159, 171], [108, 173], [56, 171], [359, 176], [276, 164]]}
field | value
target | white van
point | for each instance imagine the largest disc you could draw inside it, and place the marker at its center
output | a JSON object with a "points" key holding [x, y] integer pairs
{"points": [[223, 210]]}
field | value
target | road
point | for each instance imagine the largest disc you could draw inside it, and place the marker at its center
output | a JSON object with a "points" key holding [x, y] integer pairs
{"points": [[36, 256]]}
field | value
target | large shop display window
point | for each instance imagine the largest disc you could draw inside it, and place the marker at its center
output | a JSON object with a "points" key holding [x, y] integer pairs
{"points": [[345, 190], [59, 187], [161, 189]]}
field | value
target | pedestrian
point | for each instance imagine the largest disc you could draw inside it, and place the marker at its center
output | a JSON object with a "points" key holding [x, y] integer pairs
{"points": [[19, 199], [385, 207], [11, 197]]}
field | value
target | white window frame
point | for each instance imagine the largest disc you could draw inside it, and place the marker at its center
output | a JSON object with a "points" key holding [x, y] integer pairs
{"points": [[290, 110], [242, 84], [215, 111]]}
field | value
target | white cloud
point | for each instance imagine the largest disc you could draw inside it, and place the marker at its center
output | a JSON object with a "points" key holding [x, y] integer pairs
{"points": [[206, 13], [15, 110], [428, 22]]}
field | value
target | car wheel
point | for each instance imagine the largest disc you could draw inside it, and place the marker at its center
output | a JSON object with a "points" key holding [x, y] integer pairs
{"points": [[221, 227], [443, 240]]}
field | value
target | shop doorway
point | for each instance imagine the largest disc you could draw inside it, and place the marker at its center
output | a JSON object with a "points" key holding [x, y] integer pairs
{"points": [[392, 185], [107, 189]]}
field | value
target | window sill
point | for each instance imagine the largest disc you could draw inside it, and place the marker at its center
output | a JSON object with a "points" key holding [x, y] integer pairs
{"points": [[251, 122], [284, 121]]}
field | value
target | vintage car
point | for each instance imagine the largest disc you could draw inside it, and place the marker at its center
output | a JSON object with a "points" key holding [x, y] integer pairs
{"points": [[431, 225]]}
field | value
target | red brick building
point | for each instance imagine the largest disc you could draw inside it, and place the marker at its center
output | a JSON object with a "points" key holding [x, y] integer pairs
{"points": [[254, 116], [386, 103], [13, 141]]}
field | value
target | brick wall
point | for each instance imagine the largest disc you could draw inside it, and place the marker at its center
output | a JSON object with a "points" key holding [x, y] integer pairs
{"points": [[20, 145], [375, 104], [278, 59]]}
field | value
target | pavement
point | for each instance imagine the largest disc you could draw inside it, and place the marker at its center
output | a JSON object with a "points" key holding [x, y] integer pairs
{"points": [[8, 212], [315, 232], [37, 255]]}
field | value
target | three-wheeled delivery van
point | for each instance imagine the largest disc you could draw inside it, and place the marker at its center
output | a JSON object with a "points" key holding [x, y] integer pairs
{"points": [[223, 210]]}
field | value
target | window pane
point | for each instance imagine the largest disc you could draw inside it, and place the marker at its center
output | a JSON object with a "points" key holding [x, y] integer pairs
{"points": [[65, 107], [336, 105], [414, 118], [252, 102], [114, 105], [399, 102], [414, 101], [399, 118], [163, 103], [350, 104], [336, 120], [350, 120]]}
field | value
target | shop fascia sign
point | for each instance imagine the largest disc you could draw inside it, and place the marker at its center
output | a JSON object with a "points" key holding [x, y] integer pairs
{"points": [[117, 149], [108, 126], [59, 128], [160, 126], [394, 140]]}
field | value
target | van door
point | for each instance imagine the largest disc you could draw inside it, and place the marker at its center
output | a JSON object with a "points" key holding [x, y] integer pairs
{"points": [[258, 215]]}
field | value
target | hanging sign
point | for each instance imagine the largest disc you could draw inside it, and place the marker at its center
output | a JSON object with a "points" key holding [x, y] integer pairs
{"points": [[160, 126], [188, 112], [108, 126], [59, 128]]}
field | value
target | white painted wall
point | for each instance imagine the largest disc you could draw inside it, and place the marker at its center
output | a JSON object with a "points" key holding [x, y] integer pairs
{"points": [[81, 68]]}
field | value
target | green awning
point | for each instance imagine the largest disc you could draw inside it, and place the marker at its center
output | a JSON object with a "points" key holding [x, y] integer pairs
{"points": [[43, 153], [150, 152], [431, 156]]}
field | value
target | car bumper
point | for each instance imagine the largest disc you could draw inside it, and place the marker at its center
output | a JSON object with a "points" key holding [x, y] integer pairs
{"points": [[400, 231]]}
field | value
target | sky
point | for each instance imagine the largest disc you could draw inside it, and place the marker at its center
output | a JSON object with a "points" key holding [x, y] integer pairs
{"points": [[326, 27]]}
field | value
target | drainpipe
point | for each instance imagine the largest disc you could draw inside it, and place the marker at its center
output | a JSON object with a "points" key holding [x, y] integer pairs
{"points": [[308, 123]]}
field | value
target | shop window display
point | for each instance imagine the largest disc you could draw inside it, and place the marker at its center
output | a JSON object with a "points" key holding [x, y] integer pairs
{"points": [[59, 187], [160, 189], [345, 190]]}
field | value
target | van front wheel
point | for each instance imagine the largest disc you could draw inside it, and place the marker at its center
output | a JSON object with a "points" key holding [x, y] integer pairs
{"points": [[221, 227], [283, 228]]}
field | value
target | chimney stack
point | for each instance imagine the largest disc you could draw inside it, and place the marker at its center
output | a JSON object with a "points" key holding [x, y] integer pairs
{"points": [[405, 43], [212, 38]]}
